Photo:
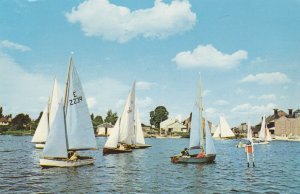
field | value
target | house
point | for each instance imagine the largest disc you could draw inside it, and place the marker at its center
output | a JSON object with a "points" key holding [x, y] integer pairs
{"points": [[4, 121], [187, 122], [172, 125], [282, 124], [288, 125], [104, 129]]}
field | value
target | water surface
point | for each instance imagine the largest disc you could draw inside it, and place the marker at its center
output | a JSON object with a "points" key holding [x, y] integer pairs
{"points": [[150, 170]]}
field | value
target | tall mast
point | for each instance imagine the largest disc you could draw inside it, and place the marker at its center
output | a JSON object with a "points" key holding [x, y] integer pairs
{"points": [[66, 100], [201, 109]]}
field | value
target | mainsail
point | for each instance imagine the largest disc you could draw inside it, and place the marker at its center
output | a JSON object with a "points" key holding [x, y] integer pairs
{"points": [[262, 132], [48, 115], [127, 130], [225, 129], [79, 128]]}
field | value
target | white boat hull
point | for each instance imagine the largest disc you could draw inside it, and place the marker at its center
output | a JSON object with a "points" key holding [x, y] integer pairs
{"points": [[39, 146], [65, 163]]}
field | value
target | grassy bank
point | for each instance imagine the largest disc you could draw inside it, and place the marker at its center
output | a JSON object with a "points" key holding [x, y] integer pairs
{"points": [[17, 132]]}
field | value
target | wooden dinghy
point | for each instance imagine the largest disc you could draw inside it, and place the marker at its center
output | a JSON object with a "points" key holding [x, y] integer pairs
{"points": [[81, 161], [200, 138], [107, 151], [193, 159]]}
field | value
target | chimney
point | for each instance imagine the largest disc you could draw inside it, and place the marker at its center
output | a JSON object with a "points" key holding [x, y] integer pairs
{"points": [[276, 113], [290, 113]]}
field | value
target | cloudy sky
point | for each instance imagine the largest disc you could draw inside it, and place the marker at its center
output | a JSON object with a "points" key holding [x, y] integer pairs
{"points": [[248, 53]]}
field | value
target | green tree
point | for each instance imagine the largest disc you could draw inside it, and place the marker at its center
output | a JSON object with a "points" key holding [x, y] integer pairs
{"points": [[111, 117], [159, 114], [21, 121], [92, 116], [1, 112], [97, 121]]}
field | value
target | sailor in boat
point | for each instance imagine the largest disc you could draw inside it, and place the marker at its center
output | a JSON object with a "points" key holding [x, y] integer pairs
{"points": [[73, 156], [201, 154], [185, 153], [120, 146]]}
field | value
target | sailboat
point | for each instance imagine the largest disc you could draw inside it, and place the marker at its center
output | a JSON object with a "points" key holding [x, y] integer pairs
{"points": [[264, 135], [249, 138], [223, 130], [131, 134], [200, 138], [112, 145], [41, 133], [71, 129]]}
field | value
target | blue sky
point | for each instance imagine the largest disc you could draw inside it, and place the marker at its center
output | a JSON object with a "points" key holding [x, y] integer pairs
{"points": [[248, 53]]}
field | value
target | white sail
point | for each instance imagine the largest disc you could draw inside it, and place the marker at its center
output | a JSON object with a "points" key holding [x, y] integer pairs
{"points": [[139, 130], [113, 138], [225, 129], [127, 130], [249, 133], [80, 133], [209, 144], [268, 134], [217, 132], [54, 101], [56, 146], [196, 128], [42, 129], [262, 132]]}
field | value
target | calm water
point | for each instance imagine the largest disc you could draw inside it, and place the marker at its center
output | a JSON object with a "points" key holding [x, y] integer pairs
{"points": [[150, 170]]}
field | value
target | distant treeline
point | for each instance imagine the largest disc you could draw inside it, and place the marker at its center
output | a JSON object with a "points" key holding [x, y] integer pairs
{"points": [[25, 122]]}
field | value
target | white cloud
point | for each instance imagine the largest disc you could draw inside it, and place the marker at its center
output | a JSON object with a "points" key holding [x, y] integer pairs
{"points": [[91, 101], [267, 97], [107, 92], [253, 109], [11, 45], [206, 92], [267, 78], [221, 102], [21, 91], [117, 23], [141, 85], [209, 56], [144, 103]]}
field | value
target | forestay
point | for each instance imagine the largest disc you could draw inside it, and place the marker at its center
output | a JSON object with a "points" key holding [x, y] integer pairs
{"points": [[80, 133], [56, 146]]}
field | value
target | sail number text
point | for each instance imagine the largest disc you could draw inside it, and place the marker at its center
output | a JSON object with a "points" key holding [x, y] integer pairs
{"points": [[76, 99]]}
